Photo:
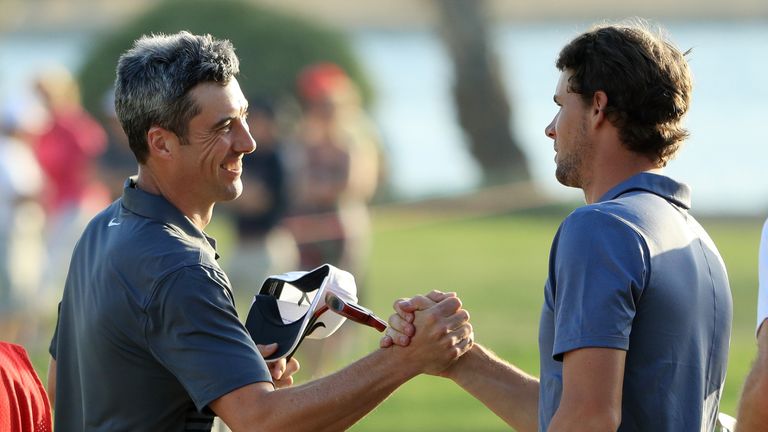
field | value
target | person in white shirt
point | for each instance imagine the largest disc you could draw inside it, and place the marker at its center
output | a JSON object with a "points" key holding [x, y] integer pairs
{"points": [[753, 415]]}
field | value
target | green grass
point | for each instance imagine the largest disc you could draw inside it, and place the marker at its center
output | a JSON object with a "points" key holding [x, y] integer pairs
{"points": [[498, 266]]}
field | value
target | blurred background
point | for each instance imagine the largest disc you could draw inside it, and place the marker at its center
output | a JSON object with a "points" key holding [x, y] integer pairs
{"points": [[401, 140]]}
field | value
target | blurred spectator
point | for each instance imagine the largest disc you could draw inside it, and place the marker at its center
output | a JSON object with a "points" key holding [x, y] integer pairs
{"points": [[263, 247], [21, 219], [67, 150], [117, 163], [335, 170]]}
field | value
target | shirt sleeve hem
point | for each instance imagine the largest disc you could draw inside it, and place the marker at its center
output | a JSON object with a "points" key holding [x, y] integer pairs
{"points": [[223, 389], [615, 342]]}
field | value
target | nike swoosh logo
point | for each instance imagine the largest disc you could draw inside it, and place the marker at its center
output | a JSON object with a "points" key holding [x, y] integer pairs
{"points": [[113, 222]]}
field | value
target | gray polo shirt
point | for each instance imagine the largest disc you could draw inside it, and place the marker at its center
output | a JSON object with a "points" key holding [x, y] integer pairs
{"points": [[147, 334], [636, 272]]}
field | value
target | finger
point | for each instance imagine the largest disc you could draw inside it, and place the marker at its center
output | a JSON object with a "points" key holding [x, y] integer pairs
{"points": [[414, 304], [465, 345], [447, 307], [438, 296], [277, 369], [399, 325], [385, 342], [267, 350], [292, 366], [285, 381], [465, 331], [462, 339], [404, 309], [398, 338], [458, 319]]}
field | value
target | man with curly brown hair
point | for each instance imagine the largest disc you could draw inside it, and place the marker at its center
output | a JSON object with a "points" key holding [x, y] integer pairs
{"points": [[636, 321]]}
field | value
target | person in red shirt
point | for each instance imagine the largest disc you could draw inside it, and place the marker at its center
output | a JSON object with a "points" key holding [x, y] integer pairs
{"points": [[24, 404]]}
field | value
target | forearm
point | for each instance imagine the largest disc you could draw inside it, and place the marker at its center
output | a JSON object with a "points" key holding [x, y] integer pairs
{"points": [[506, 390], [357, 390], [752, 413], [331, 403]]}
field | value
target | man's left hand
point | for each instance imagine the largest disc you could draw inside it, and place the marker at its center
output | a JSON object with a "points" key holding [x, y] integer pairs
{"points": [[281, 370]]}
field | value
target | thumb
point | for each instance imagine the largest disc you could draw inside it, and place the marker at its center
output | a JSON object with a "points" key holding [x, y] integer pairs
{"points": [[267, 350]]}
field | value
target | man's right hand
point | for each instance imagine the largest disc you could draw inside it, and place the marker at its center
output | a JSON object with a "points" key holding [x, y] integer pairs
{"points": [[438, 330], [401, 327]]}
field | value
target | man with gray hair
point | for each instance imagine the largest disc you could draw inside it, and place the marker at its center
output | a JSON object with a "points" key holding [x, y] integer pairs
{"points": [[147, 336]]}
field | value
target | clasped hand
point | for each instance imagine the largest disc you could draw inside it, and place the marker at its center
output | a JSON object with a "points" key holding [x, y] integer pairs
{"points": [[437, 317]]}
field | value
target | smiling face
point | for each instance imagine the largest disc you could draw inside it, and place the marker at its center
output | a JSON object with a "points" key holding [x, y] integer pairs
{"points": [[569, 131], [209, 164]]}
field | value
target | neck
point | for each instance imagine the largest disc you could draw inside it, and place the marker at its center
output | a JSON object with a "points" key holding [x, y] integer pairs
{"points": [[149, 182], [609, 168]]}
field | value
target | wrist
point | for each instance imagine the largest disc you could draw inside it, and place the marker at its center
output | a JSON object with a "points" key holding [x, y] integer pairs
{"points": [[397, 361], [461, 369]]}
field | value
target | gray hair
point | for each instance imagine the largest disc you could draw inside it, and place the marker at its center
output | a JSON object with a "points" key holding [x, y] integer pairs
{"points": [[154, 79]]}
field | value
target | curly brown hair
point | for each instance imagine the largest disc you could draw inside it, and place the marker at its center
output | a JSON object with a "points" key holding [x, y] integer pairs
{"points": [[647, 81]]}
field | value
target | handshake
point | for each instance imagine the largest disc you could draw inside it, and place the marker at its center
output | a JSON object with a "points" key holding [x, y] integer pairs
{"points": [[433, 330]]}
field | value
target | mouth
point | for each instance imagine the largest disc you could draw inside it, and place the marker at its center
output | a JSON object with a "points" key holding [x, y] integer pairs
{"points": [[234, 167]]}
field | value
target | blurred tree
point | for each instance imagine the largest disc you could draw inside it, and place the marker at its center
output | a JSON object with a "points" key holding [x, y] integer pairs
{"points": [[273, 46], [481, 101]]}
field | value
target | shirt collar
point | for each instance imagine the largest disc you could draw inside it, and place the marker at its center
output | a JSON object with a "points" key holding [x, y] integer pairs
{"points": [[663, 186], [157, 207]]}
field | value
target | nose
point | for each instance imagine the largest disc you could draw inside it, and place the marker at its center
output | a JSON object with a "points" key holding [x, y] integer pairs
{"points": [[244, 142], [550, 129]]}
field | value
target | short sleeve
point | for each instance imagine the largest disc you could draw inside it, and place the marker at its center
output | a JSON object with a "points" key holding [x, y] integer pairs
{"points": [[601, 267], [762, 297], [193, 330]]}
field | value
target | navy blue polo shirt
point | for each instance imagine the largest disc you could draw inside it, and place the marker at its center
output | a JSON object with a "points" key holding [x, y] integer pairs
{"points": [[636, 272], [147, 334]]}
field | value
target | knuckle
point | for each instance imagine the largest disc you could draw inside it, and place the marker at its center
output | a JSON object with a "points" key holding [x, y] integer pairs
{"points": [[453, 303], [456, 352], [397, 302], [393, 320]]}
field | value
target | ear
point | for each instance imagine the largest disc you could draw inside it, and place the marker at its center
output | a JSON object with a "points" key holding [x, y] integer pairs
{"points": [[599, 103], [161, 142]]}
